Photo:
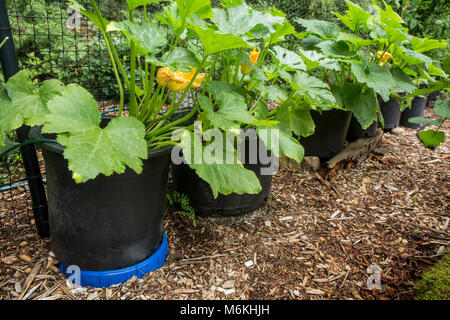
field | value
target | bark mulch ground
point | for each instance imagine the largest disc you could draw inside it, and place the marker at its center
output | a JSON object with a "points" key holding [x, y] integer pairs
{"points": [[314, 239]]}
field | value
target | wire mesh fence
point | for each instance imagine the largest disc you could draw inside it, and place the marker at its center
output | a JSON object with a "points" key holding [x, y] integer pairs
{"points": [[53, 41]]}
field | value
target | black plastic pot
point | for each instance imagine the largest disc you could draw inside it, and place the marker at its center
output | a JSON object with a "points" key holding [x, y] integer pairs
{"points": [[391, 112], [201, 198], [417, 109], [107, 223], [329, 136], [355, 131], [431, 97]]}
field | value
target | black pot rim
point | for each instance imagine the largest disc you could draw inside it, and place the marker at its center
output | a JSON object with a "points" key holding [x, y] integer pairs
{"points": [[35, 133]]}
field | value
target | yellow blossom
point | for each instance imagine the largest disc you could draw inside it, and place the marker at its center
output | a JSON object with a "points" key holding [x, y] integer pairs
{"points": [[163, 76], [386, 57], [178, 80], [254, 55]]}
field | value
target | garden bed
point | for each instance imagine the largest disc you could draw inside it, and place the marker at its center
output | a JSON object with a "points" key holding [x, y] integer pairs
{"points": [[314, 239]]}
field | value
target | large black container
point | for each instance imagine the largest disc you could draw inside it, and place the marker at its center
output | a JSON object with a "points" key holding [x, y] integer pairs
{"points": [[391, 112], [355, 131], [329, 136], [201, 198], [417, 109], [106, 223], [431, 98]]}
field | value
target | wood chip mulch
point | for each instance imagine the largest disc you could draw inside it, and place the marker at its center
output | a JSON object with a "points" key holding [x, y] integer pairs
{"points": [[314, 239]]}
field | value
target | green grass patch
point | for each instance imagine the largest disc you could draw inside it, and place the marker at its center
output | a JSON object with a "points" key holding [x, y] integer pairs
{"points": [[435, 283]]}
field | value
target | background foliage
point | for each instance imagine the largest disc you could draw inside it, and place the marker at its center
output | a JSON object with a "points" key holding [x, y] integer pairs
{"points": [[45, 45]]}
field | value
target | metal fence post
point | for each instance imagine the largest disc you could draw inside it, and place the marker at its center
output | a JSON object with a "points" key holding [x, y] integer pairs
{"points": [[10, 67]]}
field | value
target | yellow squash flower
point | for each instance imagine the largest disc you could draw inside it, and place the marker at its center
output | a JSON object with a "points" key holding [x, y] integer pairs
{"points": [[178, 80], [386, 57], [254, 55]]}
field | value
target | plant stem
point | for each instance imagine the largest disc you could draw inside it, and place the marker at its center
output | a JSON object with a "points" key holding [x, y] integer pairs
{"points": [[132, 88]]}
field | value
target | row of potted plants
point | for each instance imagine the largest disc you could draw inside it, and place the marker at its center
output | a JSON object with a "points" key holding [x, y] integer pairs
{"points": [[107, 177]]}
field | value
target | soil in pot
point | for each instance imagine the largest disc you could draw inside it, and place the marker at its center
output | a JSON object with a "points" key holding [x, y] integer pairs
{"points": [[417, 110], [107, 223], [355, 131], [201, 198], [329, 135]]}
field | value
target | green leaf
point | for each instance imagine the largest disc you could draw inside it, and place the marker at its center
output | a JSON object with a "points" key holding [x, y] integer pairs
{"points": [[336, 48], [274, 92], [178, 59], [314, 88], [75, 110], [222, 177], [435, 71], [394, 35], [261, 110], [22, 103], [281, 30], [148, 37], [171, 17], [431, 138], [421, 120], [237, 20], [187, 8], [231, 113], [354, 39], [355, 18], [432, 87], [376, 77], [442, 108], [285, 145], [423, 45], [214, 42], [389, 17], [295, 116], [89, 149], [310, 42], [287, 58], [413, 58], [446, 64], [216, 88], [304, 81], [402, 80], [363, 104], [322, 28], [133, 4], [311, 58], [331, 64]]}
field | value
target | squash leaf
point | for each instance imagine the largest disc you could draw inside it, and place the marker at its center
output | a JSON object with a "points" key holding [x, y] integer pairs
{"points": [[222, 177], [22, 103], [89, 149]]}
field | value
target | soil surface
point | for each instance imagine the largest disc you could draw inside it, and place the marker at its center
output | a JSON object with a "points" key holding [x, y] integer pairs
{"points": [[316, 238]]}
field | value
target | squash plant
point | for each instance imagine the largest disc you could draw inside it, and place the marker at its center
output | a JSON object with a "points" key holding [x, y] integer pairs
{"points": [[372, 56], [161, 62], [242, 78], [71, 112]]}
